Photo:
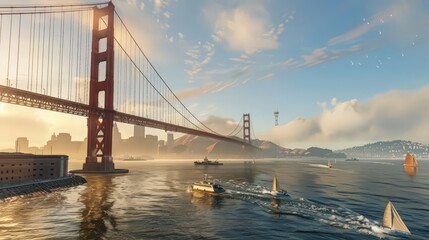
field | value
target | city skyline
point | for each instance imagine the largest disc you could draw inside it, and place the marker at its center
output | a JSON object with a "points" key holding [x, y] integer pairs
{"points": [[356, 75]]}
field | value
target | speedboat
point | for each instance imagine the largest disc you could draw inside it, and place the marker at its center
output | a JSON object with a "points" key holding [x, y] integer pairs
{"points": [[276, 190], [208, 185]]}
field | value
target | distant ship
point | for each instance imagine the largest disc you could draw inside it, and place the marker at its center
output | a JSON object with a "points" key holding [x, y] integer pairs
{"points": [[352, 159], [392, 220], [206, 161], [131, 158], [410, 161], [276, 190], [208, 185]]}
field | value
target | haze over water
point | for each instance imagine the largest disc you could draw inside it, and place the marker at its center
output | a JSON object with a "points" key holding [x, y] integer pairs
{"points": [[154, 201]]}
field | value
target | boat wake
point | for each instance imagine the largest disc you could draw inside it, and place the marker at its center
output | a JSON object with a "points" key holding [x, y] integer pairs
{"points": [[318, 165], [297, 206], [383, 163]]}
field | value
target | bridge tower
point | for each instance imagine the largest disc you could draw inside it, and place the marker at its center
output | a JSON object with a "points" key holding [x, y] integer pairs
{"points": [[246, 128], [100, 123]]}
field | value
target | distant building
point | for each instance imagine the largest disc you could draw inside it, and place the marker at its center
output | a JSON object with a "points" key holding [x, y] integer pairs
{"points": [[21, 144], [21, 167], [170, 140], [139, 131], [62, 144], [151, 144]]}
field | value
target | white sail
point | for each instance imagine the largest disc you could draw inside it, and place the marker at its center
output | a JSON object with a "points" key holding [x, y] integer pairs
{"points": [[276, 186], [391, 219]]}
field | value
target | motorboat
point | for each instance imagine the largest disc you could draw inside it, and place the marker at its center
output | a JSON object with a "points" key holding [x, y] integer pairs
{"points": [[276, 190], [392, 220], [208, 185], [206, 161]]}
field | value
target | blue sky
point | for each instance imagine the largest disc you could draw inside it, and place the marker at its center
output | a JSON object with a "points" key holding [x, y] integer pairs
{"points": [[339, 72]]}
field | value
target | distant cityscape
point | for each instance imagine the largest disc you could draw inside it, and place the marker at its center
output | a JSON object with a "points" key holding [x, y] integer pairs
{"points": [[137, 145], [388, 150], [149, 146]]}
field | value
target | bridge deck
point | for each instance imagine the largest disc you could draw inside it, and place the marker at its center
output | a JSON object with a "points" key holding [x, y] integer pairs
{"points": [[35, 100]]}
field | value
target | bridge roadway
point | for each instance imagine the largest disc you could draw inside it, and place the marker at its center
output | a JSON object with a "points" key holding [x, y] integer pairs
{"points": [[36, 100]]}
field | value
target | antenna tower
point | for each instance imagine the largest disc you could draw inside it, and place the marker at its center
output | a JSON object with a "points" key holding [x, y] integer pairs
{"points": [[276, 116]]}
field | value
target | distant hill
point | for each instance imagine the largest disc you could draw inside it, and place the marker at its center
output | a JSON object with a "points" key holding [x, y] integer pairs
{"points": [[201, 146], [388, 149]]}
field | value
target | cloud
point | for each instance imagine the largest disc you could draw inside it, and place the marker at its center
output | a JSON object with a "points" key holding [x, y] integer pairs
{"points": [[391, 115], [404, 18], [200, 55], [157, 6], [224, 126], [139, 24], [319, 56], [209, 87], [246, 28], [181, 35], [167, 14], [266, 76]]}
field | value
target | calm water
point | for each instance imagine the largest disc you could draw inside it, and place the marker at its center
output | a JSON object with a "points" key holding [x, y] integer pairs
{"points": [[154, 201]]}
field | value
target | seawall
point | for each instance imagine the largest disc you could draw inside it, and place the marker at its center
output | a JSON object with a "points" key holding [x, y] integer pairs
{"points": [[40, 186]]}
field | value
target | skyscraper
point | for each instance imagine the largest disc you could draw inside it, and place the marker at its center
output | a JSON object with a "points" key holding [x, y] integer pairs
{"points": [[139, 131]]}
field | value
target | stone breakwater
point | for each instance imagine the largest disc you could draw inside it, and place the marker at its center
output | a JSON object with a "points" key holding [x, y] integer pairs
{"points": [[40, 186]]}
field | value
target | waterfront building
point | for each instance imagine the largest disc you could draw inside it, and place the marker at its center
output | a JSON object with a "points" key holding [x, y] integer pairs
{"points": [[22, 167]]}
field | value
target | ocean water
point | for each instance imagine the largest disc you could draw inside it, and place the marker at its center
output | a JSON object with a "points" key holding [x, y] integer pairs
{"points": [[155, 201]]}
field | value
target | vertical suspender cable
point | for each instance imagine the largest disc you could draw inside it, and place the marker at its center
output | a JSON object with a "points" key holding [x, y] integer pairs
{"points": [[70, 57], [60, 66], [87, 51], [78, 58], [1, 24], [17, 57], [43, 55], [32, 52], [49, 55], [8, 58], [38, 51], [29, 56], [52, 24]]}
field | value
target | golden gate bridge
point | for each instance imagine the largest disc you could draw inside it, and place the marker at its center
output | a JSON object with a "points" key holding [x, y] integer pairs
{"points": [[82, 59]]}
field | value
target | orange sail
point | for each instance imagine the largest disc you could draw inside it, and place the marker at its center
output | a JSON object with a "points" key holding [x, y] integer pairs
{"points": [[410, 160]]}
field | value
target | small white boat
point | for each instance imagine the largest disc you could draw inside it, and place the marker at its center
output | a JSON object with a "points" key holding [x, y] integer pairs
{"points": [[276, 190], [392, 220], [208, 185]]}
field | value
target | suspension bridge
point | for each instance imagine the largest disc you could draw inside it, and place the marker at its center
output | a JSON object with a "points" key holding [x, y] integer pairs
{"points": [[83, 60]]}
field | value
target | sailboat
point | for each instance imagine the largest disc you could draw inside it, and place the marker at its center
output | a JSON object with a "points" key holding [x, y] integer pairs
{"points": [[276, 190], [410, 161], [391, 219], [329, 164]]}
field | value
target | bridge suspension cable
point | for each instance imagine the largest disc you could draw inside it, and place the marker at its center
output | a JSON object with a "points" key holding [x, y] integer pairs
{"points": [[160, 101]]}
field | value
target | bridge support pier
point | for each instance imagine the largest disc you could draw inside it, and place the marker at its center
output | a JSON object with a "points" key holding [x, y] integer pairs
{"points": [[100, 120]]}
